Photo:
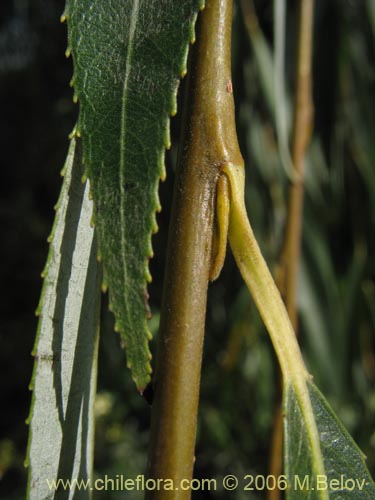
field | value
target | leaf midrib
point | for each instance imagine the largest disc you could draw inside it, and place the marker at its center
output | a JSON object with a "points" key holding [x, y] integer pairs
{"points": [[128, 65]]}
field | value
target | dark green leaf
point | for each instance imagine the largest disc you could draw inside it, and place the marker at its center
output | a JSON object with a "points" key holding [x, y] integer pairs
{"points": [[128, 58]]}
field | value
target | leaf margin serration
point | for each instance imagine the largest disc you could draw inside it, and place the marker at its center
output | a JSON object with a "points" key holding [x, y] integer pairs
{"points": [[141, 379]]}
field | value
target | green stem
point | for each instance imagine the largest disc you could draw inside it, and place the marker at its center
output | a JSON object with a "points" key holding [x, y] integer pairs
{"points": [[268, 300], [257, 277], [209, 141]]}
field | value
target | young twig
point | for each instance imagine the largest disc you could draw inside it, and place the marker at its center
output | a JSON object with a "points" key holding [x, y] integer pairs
{"points": [[209, 140]]}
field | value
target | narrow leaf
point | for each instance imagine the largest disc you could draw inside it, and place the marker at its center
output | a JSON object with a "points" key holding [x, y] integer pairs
{"points": [[345, 472], [64, 378], [128, 58]]}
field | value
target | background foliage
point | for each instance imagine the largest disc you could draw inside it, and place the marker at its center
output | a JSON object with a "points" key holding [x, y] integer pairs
{"points": [[337, 291]]}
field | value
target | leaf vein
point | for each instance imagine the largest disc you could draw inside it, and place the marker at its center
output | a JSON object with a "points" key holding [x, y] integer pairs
{"points": [[128, 67]]}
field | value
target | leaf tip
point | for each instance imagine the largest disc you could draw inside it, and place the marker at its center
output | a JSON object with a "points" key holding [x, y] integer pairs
{"points": [[142, 383], [68, 52]]}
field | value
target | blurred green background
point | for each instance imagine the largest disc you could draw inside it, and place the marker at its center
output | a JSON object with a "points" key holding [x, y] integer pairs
{"points": [[336, 285]]}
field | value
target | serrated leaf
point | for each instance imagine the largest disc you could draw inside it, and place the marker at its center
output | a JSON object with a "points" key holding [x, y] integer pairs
{"points": [[128, 58], [64, 379], [345, 475]]}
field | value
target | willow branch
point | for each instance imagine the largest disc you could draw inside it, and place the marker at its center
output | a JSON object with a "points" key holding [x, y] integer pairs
{"points": [[209, 140]]}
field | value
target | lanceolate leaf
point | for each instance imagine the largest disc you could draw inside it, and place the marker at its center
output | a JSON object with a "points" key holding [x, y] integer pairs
{"points": [[345, 473], [64, 379], [128, 58]]}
